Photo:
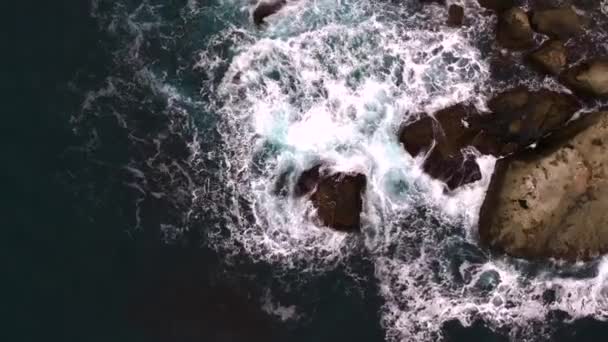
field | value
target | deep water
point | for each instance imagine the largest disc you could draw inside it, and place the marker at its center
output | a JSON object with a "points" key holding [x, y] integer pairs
{"points": [[130, 219]]}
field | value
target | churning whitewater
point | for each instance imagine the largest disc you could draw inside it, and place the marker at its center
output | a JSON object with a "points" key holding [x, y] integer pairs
{"points": [[332, 81]]}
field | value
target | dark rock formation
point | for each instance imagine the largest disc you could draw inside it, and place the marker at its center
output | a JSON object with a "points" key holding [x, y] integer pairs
{"points": [[442, 138], [552, 202], [265, 8], [455, 15], [521, 116], [498, 5], [338, 200], [337, 196], [551, 57], [561, 23], [589, 78], [514, 30]]}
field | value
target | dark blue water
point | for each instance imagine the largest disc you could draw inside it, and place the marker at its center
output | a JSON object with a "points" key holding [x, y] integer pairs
{"points": [[76, 268]]}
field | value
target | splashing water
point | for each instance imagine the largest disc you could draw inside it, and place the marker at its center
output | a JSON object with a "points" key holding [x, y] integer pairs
{"points": [[331, 80]]}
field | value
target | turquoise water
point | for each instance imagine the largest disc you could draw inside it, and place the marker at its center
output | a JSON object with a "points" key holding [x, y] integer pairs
{"points": [[147, 147]]}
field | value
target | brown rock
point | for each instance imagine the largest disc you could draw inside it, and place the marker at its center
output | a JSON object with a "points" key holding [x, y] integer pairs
{"points": [[497, 5], [455, 15], [553, 201], [514, 30], [337, 199], [442, 137], [589, 78], [551, 57], [561, 23], [522, 117]]}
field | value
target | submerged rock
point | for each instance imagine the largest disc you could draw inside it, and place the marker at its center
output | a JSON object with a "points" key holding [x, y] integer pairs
{"points": [[589, 78], [552, 202], [514, 30], [551, 57], [265, 8], [561, 23], [337, 196]]}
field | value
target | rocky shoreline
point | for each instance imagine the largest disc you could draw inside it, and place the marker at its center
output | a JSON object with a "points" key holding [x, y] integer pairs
{"points": [[548, 193]]}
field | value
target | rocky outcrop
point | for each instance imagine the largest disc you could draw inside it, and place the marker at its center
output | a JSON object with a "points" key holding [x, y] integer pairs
{"points": [[589, 78], [336, 196], [442, 139], [561, 23], [455, 15], [514, 30], [551, 57], [552, 202], [265, 8]]}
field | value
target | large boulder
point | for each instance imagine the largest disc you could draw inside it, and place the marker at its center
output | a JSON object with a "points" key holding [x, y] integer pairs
{"points": [[553, 201], [589, 78], [514, 30], [551, 57], [265, 8], [442, 138], [337, 196], [522, 117], [561, 23]]}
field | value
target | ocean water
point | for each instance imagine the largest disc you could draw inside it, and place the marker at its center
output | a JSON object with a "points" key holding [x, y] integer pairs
{"points": [[155, 136]]}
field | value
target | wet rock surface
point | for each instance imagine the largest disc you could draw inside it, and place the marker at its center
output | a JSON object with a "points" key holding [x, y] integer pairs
{"points": [[551, 202], [442, 139], [337, 196], [514, 30]]}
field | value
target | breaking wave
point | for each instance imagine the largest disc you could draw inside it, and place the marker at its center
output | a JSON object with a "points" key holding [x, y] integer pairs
{"points": [[328, 80]]}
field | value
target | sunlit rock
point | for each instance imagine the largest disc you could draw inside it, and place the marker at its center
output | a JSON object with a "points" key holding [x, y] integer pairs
{"points": [[552, 201], [589, 78], [560, 23]]}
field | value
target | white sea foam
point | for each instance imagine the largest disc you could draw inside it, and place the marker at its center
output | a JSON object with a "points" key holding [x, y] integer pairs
{"points": [[332, 80]]}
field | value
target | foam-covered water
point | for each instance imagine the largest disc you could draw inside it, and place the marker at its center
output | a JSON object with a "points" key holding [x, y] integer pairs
{"points": [[332, 80]]}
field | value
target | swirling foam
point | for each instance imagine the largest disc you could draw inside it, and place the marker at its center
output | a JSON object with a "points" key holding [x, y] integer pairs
{"points": [[332, 80]]}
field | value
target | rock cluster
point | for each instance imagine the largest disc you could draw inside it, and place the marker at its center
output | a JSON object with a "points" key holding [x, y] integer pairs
{"points": [[547, 201]]}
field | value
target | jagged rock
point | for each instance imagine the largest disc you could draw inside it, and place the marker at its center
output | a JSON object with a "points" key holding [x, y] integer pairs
{"points": [[337, 196], [560, 23], [552, 201], [522, 117], [497, 5], [265, 8], [442, 137], [589, 78], [514, 30], [551, 57], [455, 15]]}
